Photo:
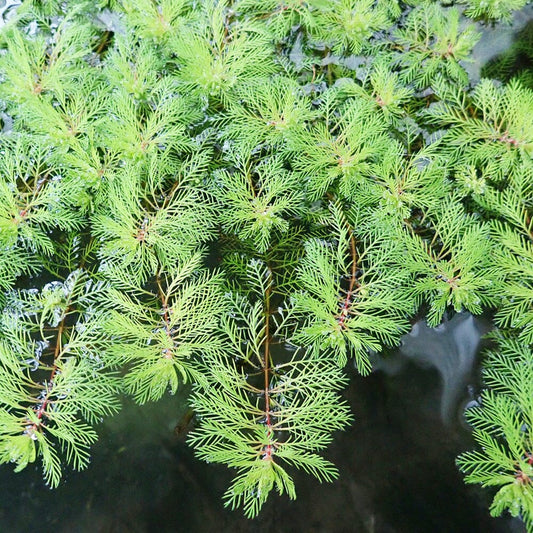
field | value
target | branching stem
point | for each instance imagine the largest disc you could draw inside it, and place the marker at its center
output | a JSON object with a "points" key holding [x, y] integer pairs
{"points": [[266, 368], [345, 309], [353, 283], [58, 351], [166, 319]]}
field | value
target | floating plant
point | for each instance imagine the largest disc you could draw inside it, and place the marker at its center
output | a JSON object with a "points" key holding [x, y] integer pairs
{"points": [[244, 196]]}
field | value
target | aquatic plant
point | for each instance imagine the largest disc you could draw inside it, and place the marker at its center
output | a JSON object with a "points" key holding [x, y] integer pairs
{"points": [[244, 196]]}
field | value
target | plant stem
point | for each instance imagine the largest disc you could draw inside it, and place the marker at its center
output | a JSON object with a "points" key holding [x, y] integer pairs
{"points": [[345, 310], [266, 369]]}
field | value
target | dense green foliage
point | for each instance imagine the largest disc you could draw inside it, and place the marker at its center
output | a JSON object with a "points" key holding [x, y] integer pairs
{"points": [[244, 195]]}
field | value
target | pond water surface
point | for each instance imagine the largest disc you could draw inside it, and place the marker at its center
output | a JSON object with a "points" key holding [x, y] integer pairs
{"points": [[396, 463]]}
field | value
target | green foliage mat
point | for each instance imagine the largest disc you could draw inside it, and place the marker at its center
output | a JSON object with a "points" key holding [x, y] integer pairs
{"points": [[244, 196]]}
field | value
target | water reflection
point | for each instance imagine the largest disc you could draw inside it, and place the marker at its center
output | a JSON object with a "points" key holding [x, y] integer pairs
{"points": [[449, 348], [7, 10], [396, 463]]}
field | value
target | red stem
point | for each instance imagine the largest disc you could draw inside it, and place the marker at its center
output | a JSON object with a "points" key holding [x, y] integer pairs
{"points": [[266, 371], [347, 302], [42, 408], [166, 318]]}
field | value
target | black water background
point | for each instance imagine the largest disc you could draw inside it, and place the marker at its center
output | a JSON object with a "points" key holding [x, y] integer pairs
{"points": [[396, 463]]}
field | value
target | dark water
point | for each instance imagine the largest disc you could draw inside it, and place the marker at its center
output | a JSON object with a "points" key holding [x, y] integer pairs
{"points": [[396, 462]]}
